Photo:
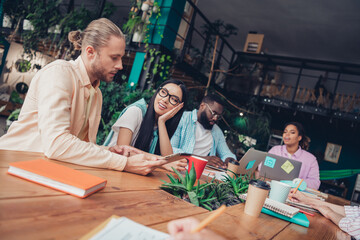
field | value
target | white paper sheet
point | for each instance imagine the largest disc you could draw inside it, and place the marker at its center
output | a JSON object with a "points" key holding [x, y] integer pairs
{"points": [[126, 229]]}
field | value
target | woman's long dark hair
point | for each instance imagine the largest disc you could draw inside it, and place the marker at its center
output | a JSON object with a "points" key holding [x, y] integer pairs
{"points": [[147, 126], [305, 140]]}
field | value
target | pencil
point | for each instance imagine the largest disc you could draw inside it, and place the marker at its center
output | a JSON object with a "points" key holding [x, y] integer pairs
{"points": [[298, 186], [209, 219]]}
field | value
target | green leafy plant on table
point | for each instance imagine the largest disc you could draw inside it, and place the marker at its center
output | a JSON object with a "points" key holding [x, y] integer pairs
{"points": [[211, 194], [184, 187]]}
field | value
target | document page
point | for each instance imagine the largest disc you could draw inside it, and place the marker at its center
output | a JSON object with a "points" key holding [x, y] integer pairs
{"points": [[126, 229]]}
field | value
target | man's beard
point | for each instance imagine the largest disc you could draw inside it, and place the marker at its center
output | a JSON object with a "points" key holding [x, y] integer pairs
{"points": [[204, 121], [98, 71]]}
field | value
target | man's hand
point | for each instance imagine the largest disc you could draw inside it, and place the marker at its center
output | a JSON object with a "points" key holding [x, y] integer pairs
{"points": [[142, 164], [125, 150], [178, 165], [215, 161]]}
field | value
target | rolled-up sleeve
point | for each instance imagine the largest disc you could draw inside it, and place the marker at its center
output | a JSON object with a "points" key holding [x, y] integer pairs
{"points": [[351, 223], [222, 148], [55, 91]]}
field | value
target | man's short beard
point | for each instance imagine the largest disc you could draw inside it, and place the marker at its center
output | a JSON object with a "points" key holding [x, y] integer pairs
{"points": [[204, 121], [98, 70]]}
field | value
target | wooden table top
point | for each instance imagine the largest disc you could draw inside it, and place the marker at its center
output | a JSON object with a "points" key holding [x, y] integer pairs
{"points": [[31, 211]]}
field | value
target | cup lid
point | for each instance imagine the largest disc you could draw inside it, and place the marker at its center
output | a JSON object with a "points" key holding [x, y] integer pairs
{"points": [[260, 184], [233, 161]]}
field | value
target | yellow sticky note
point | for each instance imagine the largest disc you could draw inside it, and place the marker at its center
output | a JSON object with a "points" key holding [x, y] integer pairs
{"points": [[287, 167]]}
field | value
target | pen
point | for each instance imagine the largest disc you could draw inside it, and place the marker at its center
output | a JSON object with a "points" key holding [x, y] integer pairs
{"points": [[209, 219], [307, 213]]}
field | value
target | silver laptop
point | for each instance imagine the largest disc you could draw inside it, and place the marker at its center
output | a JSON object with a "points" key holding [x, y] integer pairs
{"points": [[279, 168], [273, 166], [250, 161]]}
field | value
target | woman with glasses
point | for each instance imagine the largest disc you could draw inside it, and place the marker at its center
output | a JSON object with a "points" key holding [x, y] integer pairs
{"points": [[150, 127]]}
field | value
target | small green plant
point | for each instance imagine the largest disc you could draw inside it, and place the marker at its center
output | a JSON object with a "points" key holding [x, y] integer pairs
{"points": [[184, 187], [239, 183], [14, 115], [134, 23], [23, 65], [15, 98], [211, 194]]}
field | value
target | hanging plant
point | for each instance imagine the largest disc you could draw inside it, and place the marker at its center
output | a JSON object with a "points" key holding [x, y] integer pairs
{"points": [[22, 65]]}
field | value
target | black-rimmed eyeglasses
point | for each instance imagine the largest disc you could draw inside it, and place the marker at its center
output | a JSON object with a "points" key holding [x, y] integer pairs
{"points": [[173, 99]]}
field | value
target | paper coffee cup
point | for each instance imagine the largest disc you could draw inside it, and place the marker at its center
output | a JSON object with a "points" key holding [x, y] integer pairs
{"points": [[233, 166], [256, 196], [199, 164], [279, 191]]}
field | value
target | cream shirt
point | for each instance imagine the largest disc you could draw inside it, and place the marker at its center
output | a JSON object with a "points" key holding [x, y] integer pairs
{"points": [[53, 114]]}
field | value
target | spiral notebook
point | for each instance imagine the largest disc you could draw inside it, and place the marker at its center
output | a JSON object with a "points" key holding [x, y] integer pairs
{"points": [[277, 207]]}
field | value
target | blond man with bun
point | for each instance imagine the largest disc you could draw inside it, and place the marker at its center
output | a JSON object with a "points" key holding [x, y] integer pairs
{"points": [[62, 110]]}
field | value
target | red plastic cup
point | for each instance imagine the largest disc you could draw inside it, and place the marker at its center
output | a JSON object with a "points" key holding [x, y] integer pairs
{"points": [[199, 164]]}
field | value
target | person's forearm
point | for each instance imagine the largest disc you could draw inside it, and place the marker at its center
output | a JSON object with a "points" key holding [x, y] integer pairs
{"points": [[164, 141], [336, 208], [335, 217]]}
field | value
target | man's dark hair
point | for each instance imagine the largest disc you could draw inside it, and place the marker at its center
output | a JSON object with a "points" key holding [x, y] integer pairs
{"points": [[210, 98]]}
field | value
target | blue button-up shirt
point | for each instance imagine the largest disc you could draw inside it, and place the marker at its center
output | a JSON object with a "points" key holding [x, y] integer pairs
{"points": [[183, 140]]}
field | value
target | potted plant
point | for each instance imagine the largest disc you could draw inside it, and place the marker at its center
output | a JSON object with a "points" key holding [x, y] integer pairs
{"points": [[209, 195], [184, 187], [135, 26]]}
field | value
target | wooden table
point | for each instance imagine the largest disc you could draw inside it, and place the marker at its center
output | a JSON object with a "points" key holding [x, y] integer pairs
{"points": [[31, 211]]}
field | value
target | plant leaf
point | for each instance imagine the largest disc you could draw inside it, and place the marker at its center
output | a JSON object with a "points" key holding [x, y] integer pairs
{"points": [[193, 198], [206, 206], [192, 175], [182, 179]]}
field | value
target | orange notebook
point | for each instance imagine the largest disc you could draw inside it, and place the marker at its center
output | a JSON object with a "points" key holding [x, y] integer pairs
{"points": [[57, 176]]}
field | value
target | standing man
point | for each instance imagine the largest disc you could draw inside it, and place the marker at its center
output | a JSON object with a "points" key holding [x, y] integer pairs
{"points": [[62, 110], [197, 133]]}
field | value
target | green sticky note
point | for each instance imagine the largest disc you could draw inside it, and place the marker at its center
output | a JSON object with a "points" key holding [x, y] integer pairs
{"points": [[269, 162], [250, 164], [287, 166]]}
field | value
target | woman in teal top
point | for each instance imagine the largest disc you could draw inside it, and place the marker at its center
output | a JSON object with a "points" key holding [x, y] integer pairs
{"points": [[150, 127]]}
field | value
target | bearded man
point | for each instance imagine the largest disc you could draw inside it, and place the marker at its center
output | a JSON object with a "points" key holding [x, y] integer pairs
{"points": [[198, 133]]}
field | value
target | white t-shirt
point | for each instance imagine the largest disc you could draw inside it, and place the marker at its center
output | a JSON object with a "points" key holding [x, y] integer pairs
{"points": [[203, 140], [131, 119]]}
